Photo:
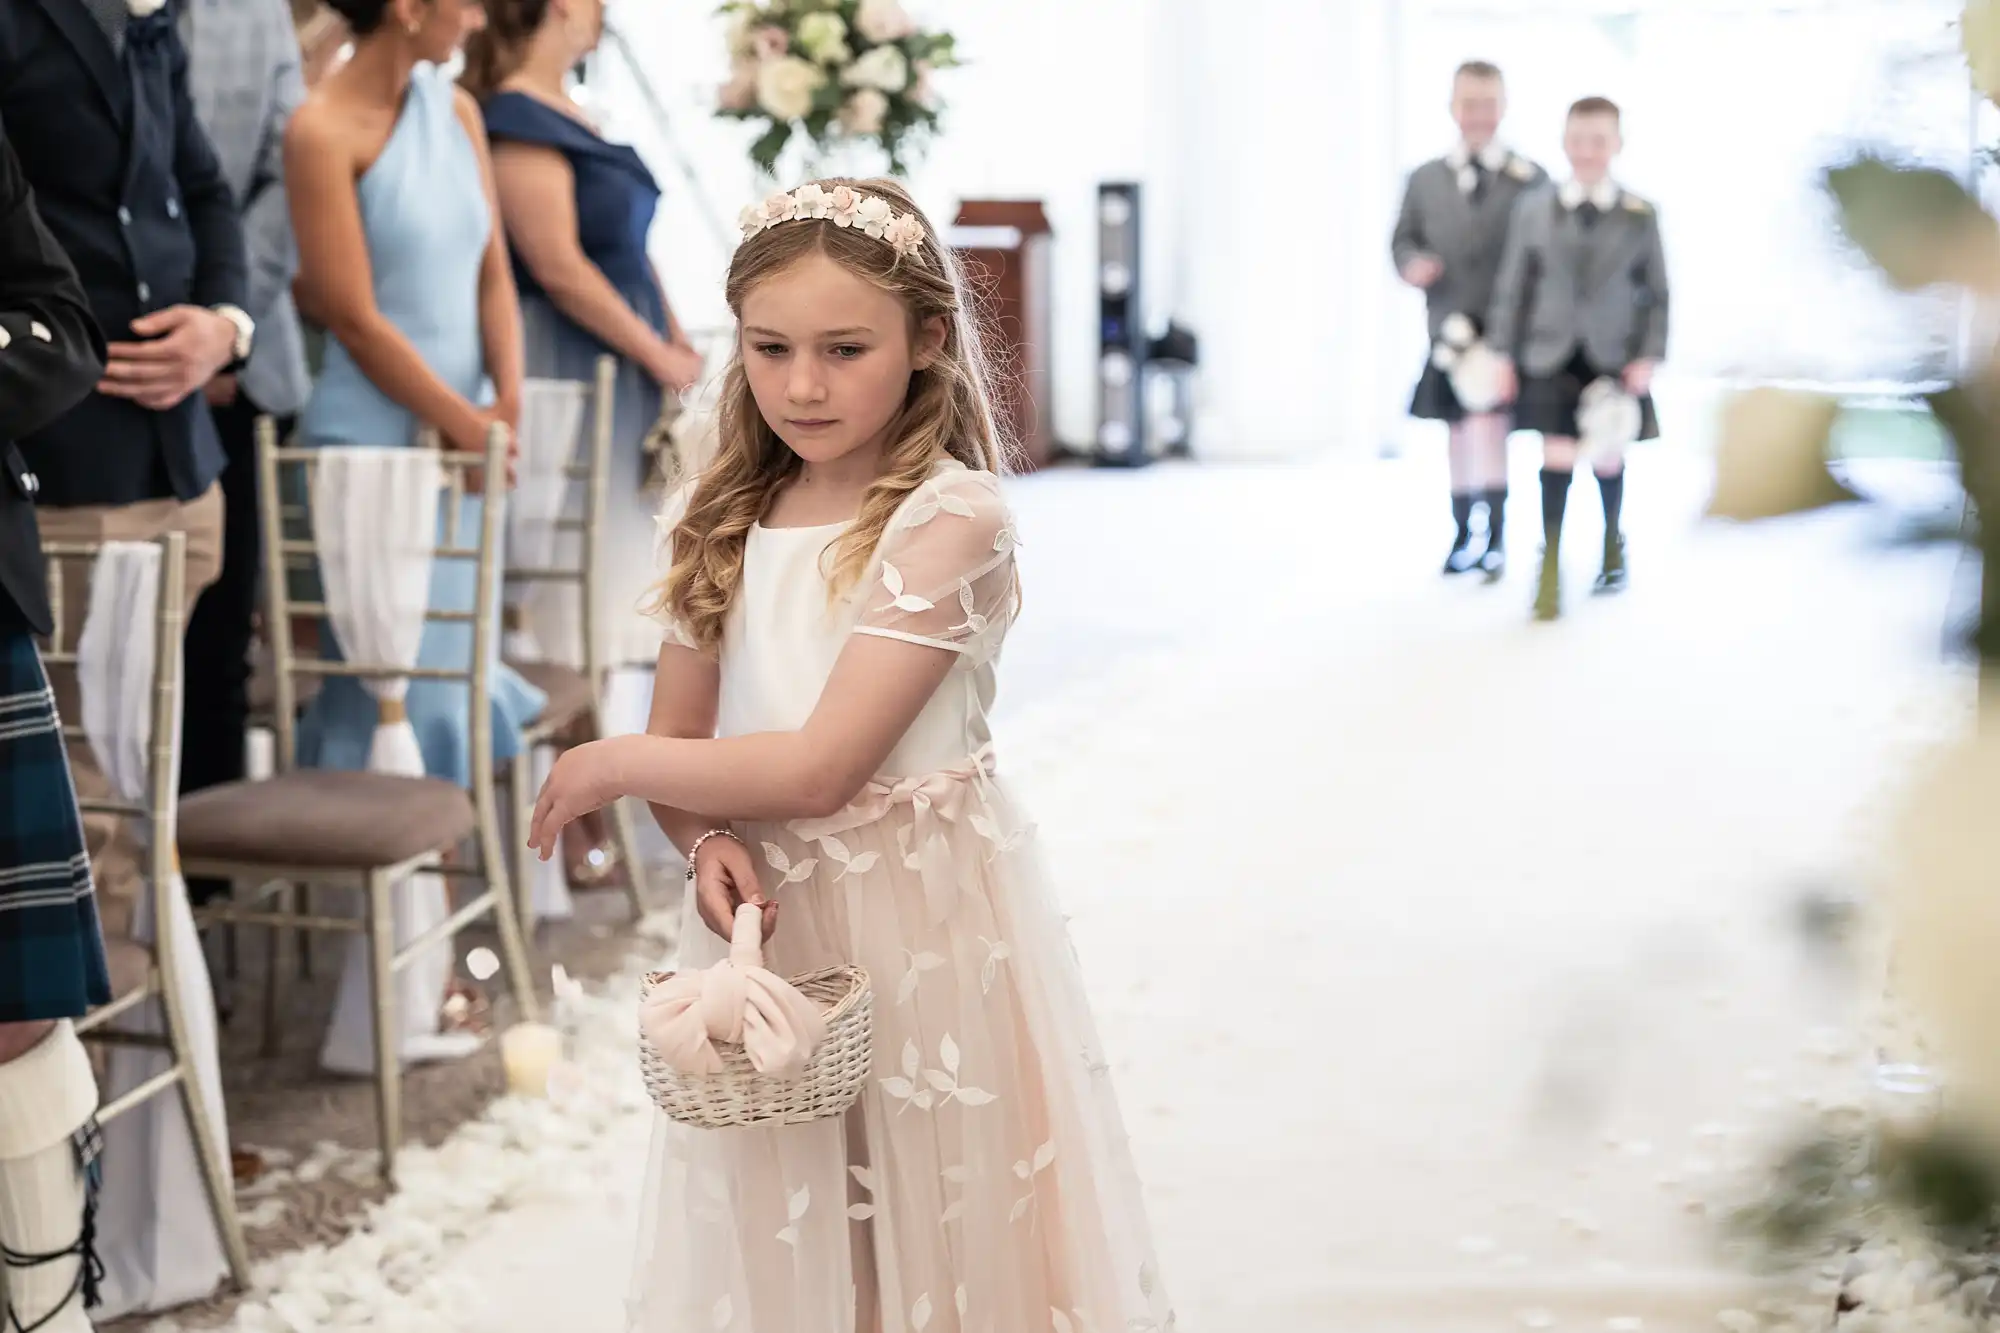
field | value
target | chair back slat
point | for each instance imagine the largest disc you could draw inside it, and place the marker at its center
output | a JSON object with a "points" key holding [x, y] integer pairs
{"points": [[587, 479], [290, 546], [71, 565]]}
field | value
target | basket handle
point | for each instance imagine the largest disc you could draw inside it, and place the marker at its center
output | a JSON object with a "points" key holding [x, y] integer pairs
{"points": [[746, 937]]}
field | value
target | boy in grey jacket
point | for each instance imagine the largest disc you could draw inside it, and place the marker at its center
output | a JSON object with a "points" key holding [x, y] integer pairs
{"points": [[1582, 296], [1449, 240]]}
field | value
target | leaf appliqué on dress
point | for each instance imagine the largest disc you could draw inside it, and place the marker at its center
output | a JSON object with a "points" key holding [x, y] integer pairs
{"points": [[861, 1212], [945, 1080], [997, 953], [1027, 1170], [906, 1088], [919, 964], [974, 623], [892, 579], [794, 874], [849, 863]]}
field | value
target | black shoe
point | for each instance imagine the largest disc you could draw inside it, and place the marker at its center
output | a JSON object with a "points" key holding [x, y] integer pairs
{"points": [[1493, 563], [1612, 578], [1461, 559], [1548, 593]]}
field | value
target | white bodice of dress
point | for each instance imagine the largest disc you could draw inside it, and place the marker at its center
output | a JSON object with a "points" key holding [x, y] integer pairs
{"points": [[783, 637], [943, 575]]}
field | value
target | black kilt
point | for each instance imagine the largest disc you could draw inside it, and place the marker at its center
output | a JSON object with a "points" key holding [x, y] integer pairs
{"points": [[1548, 403], [51, 948]]}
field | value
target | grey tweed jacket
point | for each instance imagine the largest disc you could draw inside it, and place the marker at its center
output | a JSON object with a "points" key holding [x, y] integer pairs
{"points": [[1564, 285], [1438, 217], [247, 79]]}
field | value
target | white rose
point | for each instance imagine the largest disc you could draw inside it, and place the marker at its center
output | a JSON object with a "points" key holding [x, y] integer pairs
{"points": [[883, 21], [883, 68], [141, 8], [873, 216], [785, 87], [823, 37], [864, 111]]}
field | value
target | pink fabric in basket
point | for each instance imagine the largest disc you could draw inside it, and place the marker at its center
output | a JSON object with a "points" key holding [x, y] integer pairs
{"points": [[739, 1002]]}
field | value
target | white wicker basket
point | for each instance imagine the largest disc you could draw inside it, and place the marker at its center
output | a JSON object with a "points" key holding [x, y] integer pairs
{"points": [[740, 1096]]}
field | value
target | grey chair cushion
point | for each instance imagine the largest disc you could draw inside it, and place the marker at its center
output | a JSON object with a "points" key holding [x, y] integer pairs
{"points": [[324, 818]]}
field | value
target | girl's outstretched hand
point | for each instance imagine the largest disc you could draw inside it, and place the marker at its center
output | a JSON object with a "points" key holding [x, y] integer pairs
{"points": [[725, 874], [584, 779]]}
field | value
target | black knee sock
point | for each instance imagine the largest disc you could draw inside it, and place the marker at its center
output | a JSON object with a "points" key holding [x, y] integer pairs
{"points": [[1496, 517], [1461, 514], [1613, 491], [1555, 497]]}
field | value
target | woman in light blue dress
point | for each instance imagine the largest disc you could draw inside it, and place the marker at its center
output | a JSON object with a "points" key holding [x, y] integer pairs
{"points": [[400, 260]]}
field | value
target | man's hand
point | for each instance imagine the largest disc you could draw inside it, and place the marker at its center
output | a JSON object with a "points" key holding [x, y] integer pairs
{"points": [[186, 345], [221, 391], [1423, 270], [1639, 377]]}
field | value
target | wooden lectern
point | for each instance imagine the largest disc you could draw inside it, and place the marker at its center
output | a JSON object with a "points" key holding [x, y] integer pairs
{"points": [[1003, 246]]}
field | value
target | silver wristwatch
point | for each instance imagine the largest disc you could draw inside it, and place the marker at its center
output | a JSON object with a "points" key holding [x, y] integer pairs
{"points": [[246, 332]]}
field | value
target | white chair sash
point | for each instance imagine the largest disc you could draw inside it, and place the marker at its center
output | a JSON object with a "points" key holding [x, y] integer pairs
{"points": [[156, 1232], [375, 524], [550, 621]]}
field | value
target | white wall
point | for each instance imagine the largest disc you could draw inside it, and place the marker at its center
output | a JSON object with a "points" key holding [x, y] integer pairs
{"points": [[1256, 127]]}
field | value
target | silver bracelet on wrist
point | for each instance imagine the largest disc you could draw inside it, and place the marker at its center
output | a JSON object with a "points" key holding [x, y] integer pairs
{"points": [[695, 850]]}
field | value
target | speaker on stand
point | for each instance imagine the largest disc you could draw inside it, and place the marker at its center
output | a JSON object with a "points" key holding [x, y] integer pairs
{"points": [[1121, 331]]}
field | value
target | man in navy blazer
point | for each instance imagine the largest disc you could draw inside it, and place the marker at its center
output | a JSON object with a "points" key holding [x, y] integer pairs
{"points": [[95, 97]]}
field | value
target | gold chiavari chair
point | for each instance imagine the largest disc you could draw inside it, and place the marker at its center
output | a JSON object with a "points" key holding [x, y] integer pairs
{"points": [[366, 832], [145, 972], [576, 697]]}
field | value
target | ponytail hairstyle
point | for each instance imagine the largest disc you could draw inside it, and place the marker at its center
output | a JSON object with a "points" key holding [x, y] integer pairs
{"points": [[948, 411], [493, 53]]}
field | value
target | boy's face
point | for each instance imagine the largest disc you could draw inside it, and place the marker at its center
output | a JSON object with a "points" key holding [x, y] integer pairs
{"points": [[1477, 103], [1590, 142]]}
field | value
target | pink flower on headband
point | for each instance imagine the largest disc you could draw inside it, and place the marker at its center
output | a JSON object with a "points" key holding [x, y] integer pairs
{"points": [[872, 216], [812, 201], [906, 234], [843, 206], [845, 201]]}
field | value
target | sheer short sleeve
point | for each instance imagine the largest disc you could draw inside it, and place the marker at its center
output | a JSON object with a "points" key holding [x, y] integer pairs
{"points": [[944, 572], [671, 512]]}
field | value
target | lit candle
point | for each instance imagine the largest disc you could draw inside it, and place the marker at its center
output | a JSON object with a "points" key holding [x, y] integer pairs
{"points": [[529, 1050]]}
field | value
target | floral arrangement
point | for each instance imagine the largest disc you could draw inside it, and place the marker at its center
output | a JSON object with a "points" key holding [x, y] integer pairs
{"points": [[833, 70]]}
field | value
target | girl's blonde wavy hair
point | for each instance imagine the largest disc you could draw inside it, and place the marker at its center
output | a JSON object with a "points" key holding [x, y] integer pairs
{"points": [[947, 412]]}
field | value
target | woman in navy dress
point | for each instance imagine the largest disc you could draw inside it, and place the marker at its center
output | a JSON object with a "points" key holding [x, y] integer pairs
{"points": [[577, 209]]}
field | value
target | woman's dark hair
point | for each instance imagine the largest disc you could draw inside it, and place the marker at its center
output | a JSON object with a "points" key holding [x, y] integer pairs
{"points": [[363, 16], [496, 51]]}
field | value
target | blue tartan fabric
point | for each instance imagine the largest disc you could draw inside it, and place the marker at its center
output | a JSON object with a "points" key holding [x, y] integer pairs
{"points": [[51, 949]]}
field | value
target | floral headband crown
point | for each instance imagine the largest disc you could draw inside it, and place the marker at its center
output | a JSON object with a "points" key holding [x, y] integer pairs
{"points": [[843, 206]]}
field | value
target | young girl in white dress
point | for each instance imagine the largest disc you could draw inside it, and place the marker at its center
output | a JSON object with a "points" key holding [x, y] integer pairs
{"points": [[838, 584]]}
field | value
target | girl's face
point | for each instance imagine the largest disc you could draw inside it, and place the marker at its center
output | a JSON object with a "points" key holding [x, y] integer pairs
{"points": [[829, 357]]}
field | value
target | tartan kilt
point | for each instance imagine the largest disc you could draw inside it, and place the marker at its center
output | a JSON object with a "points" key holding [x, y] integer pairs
{"points": [[51, 948]]}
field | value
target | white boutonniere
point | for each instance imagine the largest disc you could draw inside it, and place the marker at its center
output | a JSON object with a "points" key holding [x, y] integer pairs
{"points": [[1634, 204], [144, 8], [1520, 168]]}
